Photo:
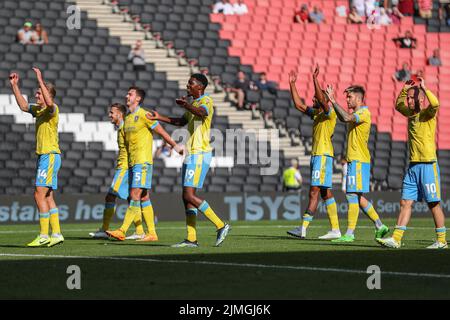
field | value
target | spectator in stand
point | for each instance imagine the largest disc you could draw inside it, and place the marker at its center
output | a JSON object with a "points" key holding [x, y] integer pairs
{"points": [[264, 85], [371, 6], [402, 75], [407, 41], [115, 6], [239, 87], [425, 7], [240, 7], [316, 16], [218, 7], [302, 15], [360, 7], [41, 36], [406, 7], [383, 18], [228, 8], [354, 17], [444, 10], [26, 35], [435, 59], [395, 15], [137, 56]]}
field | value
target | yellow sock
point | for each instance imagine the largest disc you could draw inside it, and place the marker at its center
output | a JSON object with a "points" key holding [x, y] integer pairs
{"points": [[138, 223], [440, 234], [108, 212], [398, 233], [191, 218], [133, 209], [44, 219], [332, 213], [54, 221], [209, 213], [372, 214], [149, 217], [306, 219], [353, 211]]}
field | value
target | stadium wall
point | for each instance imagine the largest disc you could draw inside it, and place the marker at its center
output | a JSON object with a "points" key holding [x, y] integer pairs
{"points": [[232, 206]]}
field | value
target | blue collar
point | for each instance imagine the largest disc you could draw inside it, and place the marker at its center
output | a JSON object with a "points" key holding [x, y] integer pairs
{"points": [[364, 107], [202, 96], [137, 109], [117, 127]]}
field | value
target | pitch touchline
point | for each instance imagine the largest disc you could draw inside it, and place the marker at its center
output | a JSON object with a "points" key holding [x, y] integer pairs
{"points": [[234, 264], [205, 227]]}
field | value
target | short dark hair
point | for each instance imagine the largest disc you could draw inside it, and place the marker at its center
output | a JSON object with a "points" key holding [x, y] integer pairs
{"points": [[139, 92], [356, 89], [120, 107], [201, 78], [51, 89]]}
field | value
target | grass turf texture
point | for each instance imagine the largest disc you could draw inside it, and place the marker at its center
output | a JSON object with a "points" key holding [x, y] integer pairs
{"points": [[258, 260]]}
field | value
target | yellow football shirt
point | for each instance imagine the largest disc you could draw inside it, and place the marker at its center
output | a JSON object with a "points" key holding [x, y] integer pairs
{"points": [[46, 128], [358, 136], [139, 137], [421, 128], [199, 129], [323, 129], [122, 158]]}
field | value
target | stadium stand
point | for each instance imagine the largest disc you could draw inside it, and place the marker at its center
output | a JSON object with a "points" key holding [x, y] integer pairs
{"points": [[98, 73], [90, 70], [267, 40]]}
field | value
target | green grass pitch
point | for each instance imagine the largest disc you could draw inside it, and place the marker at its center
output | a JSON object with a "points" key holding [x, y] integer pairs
{"points": [[257, 261]]}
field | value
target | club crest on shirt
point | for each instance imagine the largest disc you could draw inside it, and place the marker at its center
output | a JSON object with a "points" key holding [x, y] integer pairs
{"points": [[136, 118]]}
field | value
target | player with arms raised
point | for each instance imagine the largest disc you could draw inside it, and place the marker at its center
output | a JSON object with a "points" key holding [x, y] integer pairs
{"points": [[358, 158], [198, 117], [46, 113], [422, 180], [321, 166]]}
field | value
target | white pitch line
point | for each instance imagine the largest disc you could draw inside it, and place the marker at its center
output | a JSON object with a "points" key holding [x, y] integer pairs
{"points": [[207, 227], [234, 264]]}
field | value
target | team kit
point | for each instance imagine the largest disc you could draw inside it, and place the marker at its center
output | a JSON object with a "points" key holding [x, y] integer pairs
{"points": [[132, 180]]}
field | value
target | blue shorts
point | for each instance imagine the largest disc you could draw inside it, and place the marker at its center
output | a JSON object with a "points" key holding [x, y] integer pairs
{"points": [[120, 185], [422, 181], [321, 171], [141, 176], [195, 168], [358, 177], [48, 166]]}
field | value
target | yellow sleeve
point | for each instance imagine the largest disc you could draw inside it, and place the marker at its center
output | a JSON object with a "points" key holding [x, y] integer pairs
{"points": [[400, 105], [151, 124], [208, 105], [434, 104], [362, 116]]}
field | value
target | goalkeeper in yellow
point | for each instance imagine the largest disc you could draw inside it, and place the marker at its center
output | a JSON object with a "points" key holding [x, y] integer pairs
{"points": [[46, 113], [422, 180], [358, 158], [198, 117], [138, 140]]}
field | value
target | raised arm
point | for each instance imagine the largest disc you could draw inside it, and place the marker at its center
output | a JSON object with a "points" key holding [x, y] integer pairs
{"points": [[299, 105], [320, 96], [432, 99], [200, 112], [179, 122], [21, 102], [343, 115], [48, 99], [166, 137], [400, 105]]}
